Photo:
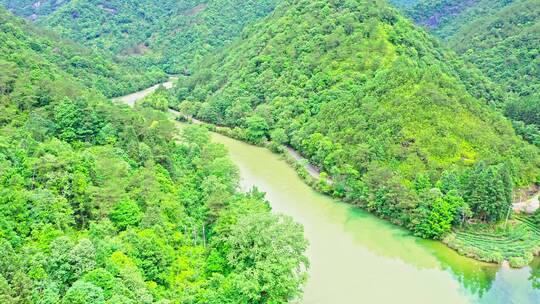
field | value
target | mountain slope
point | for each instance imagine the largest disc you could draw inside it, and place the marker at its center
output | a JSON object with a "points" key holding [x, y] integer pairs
{"points": [[505, 46], [33, 9], [101, 203], [92, 68], [372, 100], [403, 4], [446, 17], [169, 33], [501, 38]]}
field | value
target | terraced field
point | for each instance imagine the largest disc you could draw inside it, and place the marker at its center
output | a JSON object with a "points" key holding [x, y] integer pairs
{"points": [[517, 244]]}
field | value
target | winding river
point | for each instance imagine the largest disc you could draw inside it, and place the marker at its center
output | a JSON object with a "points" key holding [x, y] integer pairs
{"points": [[358, 258]]}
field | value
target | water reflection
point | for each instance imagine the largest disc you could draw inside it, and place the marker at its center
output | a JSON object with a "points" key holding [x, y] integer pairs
{"points": [[474, 276]]}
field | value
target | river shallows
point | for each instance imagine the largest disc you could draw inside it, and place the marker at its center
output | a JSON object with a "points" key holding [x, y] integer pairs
{"points": [[357, 258]]}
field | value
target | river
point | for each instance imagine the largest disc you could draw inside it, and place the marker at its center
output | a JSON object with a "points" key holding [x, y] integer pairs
{"points": [[358, 258], [134, 97]]}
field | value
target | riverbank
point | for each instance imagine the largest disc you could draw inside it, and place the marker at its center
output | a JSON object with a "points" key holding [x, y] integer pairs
{"points": [[517, 243], [355, 255], [344, 269], [289, 154]]}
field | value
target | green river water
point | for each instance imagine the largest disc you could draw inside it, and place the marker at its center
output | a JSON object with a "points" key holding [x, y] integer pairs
{"points": [[358, 258]]}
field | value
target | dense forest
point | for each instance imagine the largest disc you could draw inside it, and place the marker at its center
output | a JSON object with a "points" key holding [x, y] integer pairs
{"points": [[92, 68], [102, 203], [167, 34], [376, 103], [499, 37], [423, 112], [403, 4], [33, 9]]}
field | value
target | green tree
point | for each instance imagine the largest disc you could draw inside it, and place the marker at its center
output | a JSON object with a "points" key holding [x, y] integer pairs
{"points": [[151, 253], [489, 191], [103, 279], [8, 76], [83, 293], [270, 238], [436, 216], [257, 129], [126, 213]]}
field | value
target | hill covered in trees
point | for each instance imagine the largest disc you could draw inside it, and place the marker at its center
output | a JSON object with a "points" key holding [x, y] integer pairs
{"points": [[398, 121], [501, 38], [21, 40], [105, 204], [403, 4], [33, 9], [169, 34]]}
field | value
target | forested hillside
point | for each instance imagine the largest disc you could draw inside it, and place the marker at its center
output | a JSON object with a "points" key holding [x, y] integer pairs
{"points": [[445, 18], [170, 34], [105, 204], [501, 38], [20, 40], [373, 101], [33, 9], [403, 3]]}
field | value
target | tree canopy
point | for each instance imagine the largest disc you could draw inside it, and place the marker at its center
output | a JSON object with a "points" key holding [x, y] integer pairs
{"points": [[171, 35], [369, 98], [102, 203], [499, 37]]}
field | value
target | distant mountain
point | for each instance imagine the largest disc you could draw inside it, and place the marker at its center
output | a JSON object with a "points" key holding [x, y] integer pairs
{"points": [[367, 96], [403, 3], [91, 67], [33, 9], [171, 34], [447, 17], [501, 37]]}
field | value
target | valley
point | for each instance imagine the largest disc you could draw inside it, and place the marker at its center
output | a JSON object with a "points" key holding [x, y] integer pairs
{"points": [[269, 151], [354, 254]]}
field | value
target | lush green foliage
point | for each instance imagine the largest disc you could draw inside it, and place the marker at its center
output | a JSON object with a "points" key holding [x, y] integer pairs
{"points": [[403, 3], [158, 100], [101, 203], [31, 8], [447, 17], [171, 34], [490, 192], [500, 37], [373, 101], [20, 41]]}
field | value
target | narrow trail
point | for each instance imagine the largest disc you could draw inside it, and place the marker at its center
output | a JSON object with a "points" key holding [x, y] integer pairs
{"points": [[313, 170]]}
